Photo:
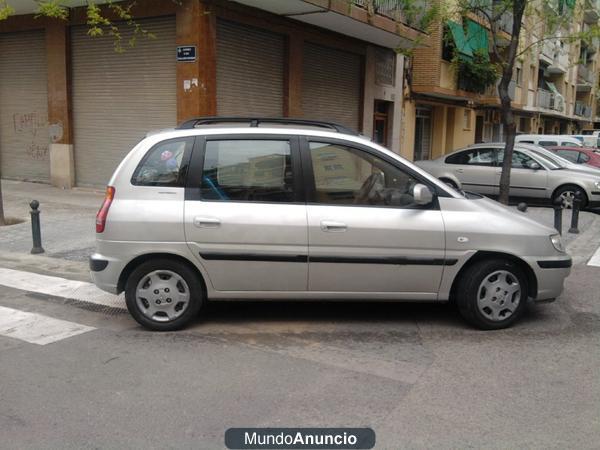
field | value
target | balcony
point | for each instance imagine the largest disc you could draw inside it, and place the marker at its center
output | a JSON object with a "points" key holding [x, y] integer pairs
{"points": [[387, 27], [396, 10], [548, 51], [550, 100], [585, 78], [492, 91], [591, 12], [583, 110], [560, 62]]}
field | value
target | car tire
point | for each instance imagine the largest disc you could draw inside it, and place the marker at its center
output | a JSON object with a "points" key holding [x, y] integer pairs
{"points": [[164, 294], [492, 294], [566, 194]]}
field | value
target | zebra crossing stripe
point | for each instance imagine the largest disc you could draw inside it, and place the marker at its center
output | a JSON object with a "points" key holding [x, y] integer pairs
{"points": [[595, 260], [37, 328]]}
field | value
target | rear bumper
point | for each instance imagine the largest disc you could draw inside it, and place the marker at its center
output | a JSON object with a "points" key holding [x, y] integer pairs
{"points": [[105, 272]]}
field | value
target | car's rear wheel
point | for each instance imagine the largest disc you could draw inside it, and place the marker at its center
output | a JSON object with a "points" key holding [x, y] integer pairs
{"points": [[163, 294], [566, 195], [492, 294]]}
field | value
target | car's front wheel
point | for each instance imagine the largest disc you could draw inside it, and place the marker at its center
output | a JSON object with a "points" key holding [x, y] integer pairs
{"points": [[163, 294], [566, 195], [492, 294]]}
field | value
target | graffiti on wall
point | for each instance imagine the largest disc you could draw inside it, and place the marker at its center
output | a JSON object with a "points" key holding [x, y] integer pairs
{"points": [[34, 127]]}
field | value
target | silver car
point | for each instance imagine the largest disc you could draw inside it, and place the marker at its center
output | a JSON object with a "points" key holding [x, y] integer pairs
{"points": [[534, 174], [286, 209]]}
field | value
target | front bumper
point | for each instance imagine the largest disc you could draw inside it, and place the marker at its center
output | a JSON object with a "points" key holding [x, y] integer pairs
{"points": [[550, 273]]}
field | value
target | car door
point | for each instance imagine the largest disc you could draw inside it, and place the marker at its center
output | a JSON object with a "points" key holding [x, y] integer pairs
{"points": [[525, 181], [365, 233], [475, 168], [245, 215]]}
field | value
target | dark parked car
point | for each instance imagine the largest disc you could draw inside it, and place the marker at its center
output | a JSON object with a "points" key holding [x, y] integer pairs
{"points": [[579, 155]]}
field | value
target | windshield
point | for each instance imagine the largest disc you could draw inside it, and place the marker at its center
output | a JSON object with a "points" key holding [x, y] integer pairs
{"points": [[551, 160]]}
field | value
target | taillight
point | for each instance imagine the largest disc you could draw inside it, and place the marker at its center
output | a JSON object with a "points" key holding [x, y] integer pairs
{"points": [[103, 213]]}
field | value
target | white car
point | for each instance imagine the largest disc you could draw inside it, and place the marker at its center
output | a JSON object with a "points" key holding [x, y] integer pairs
{"points": [[296, 209]]}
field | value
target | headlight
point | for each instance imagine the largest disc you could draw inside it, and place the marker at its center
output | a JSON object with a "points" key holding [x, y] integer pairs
{"points": [[557, 242], [597, 184]]}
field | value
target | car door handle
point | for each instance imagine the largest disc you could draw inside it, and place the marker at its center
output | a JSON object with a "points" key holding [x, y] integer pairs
{"points": [[206, 222], [459, 170], [328, 225]]}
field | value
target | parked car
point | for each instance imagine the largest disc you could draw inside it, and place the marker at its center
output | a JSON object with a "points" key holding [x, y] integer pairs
{"points": [[548, 140], [294, 209], [579, 155], [560, 160], [477, 168], [587, 140]]}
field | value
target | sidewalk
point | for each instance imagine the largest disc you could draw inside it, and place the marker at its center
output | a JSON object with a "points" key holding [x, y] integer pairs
{"points": [[68, 226], [67, 219]]}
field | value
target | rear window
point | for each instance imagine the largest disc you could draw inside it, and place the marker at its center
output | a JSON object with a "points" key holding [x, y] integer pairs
{"points": [[165, 164]]}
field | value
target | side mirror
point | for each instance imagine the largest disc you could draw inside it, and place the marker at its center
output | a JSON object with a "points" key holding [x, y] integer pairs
{"points": [[534, 166], [422, 194]]}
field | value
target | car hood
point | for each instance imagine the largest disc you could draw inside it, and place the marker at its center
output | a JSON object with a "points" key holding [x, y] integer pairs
{"points": [[587, 175], [581, 168]]}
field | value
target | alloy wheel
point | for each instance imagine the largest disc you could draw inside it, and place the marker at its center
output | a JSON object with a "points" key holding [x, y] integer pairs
{"points": [[162, 295], [499, 295]]}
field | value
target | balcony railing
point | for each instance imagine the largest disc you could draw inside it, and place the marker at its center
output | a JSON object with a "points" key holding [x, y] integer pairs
{"points": [[396, 10], [583, 110], [591, 12], [492, 91], [550, 100], [585, 74]]}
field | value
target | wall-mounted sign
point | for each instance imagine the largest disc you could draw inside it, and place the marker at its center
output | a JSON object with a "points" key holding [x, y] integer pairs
{"points": [[186, 53]]}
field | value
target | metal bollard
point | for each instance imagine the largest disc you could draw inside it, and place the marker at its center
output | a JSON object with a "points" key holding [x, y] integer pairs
{"points": [[36, 231], [575, 213], [558, 208]]}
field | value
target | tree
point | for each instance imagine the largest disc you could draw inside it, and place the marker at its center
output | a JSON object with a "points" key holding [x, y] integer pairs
{"points": [[541, 21]]}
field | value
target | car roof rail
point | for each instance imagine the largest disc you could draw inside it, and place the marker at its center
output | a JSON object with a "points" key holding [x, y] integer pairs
{"points": [[256, 121]]}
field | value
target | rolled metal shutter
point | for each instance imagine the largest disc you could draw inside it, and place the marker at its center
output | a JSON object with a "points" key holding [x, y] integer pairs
{"points": [[119, 97], [24, 138], [250, 66], [331, 85]]}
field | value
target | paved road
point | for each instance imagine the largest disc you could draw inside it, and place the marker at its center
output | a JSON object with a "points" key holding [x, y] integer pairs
{"points": [[414, 373]]}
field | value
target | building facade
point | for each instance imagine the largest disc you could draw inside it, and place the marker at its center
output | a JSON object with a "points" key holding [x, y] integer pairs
{"points": [[71, 107], [553, 89]]}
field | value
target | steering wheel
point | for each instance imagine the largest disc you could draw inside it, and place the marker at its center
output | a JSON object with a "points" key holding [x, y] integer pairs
{"points": [[366, 190]]}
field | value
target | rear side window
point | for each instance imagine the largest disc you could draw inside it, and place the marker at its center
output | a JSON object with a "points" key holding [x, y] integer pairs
{"points": [[473, 157], [583, 158], [568, 154], [549, 143], [165, 164], [526, 142], [248, 170]]}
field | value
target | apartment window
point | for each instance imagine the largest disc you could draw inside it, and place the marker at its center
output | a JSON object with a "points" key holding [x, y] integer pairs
{"points": [[467, 119], [448, 46], [519, 76]]}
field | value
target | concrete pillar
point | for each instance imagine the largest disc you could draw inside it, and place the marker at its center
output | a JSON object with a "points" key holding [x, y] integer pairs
{"points": [[62, 168], [196, 24]]}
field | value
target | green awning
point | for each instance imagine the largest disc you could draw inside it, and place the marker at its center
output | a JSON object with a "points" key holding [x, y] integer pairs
{"points": [[477, 38], [458, 34], [552, 87]]}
